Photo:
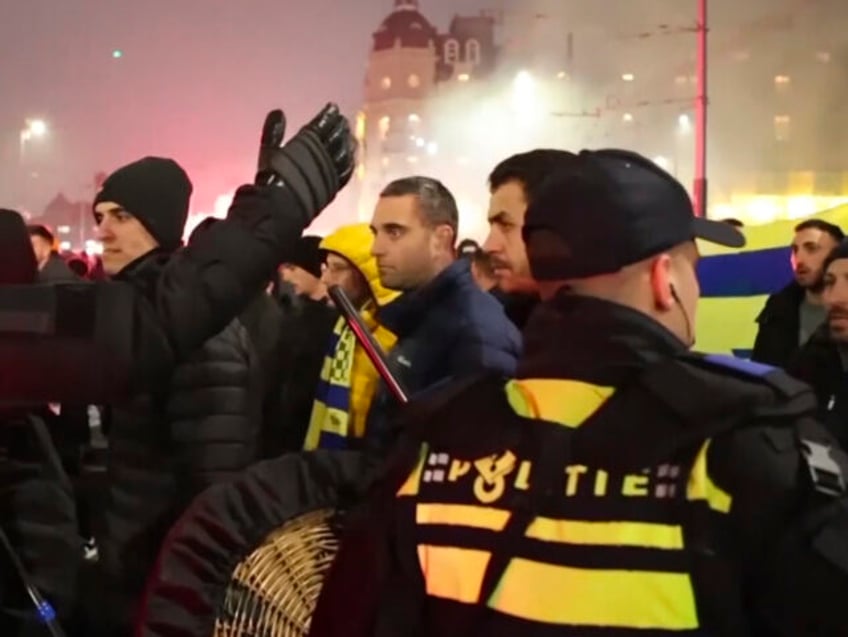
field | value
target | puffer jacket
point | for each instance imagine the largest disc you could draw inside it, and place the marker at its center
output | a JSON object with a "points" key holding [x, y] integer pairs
{"points": [[199, 426], [38, 518]]}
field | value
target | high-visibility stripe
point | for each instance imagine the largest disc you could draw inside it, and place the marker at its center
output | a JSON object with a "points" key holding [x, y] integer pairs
{"points": [[564, 595], [645, 534], [413, 481], [467, 515], [567, 402], [701, 486], [453, 573], [617, 533]]}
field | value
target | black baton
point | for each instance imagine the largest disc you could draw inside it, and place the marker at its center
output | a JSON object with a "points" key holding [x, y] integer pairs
{"points": [[368, 342]]}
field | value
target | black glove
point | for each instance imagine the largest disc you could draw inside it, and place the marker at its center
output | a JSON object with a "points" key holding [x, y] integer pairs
{"points": [[273, 132], [314, 165]]}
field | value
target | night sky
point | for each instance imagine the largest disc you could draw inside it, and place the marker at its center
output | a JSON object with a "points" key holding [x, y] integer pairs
{"points": [[194, 82], [197, 76]]}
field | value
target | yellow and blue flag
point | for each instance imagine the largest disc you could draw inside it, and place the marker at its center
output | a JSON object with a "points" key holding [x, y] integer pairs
{"points": [[736, 283]]}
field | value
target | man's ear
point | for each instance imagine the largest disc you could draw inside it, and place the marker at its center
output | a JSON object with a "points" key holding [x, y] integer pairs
{"points": [[445, 235], [661, 282]]}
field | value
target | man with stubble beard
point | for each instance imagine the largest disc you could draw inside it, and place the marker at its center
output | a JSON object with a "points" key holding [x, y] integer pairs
{"points": [[823, 361], [792, 315]]}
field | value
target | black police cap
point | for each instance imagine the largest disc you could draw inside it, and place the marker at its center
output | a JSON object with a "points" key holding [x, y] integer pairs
{"points": [[610, 209]]}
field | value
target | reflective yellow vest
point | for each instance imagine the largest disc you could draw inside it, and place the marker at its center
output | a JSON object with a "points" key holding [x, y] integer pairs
{"points": [[610, 553]]}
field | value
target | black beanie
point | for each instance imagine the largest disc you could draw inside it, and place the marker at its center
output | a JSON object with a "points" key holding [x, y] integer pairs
{"points": [[308, 255], [156, 191], [839, 252], [17, 260]]}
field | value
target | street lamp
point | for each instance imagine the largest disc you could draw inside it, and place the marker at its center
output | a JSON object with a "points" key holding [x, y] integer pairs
{"points": [[34, 129]]}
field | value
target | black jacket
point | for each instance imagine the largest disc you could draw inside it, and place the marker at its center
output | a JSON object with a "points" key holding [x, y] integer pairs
{"points": [[37, 516], [780, 325], [819, 365], [199, 425], [448, 329], [752, 571], [56, 271], [307, 328]]}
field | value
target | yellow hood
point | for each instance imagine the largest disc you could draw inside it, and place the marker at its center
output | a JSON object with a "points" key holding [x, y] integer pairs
{"points": [[354, 243]]}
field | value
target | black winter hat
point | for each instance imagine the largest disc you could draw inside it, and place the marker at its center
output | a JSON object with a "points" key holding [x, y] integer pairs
{"points": [[17, 260], [308, 255], [156, 191]]}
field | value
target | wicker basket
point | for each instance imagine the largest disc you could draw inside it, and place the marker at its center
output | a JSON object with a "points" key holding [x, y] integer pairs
{"points": [[273, 592]]}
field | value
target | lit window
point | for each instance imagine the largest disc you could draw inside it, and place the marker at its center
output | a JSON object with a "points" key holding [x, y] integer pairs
{"points": [[451, 52], [781, 80], [472, 52], [385, 123], [781, 127], [628, 77], [386, 83], [463, 77], [627, 117], [414, 118], [823, 56], [414, 81], [360, 125], [64, 229]]}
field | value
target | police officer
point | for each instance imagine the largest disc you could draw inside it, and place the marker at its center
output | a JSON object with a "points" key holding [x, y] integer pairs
{"points": [[621, 485]]}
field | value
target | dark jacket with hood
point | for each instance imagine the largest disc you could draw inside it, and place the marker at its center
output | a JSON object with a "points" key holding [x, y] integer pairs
{"points": [[780, 325]]}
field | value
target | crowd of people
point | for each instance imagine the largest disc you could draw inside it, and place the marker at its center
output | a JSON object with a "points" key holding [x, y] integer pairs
{"points": [[566, 465]]}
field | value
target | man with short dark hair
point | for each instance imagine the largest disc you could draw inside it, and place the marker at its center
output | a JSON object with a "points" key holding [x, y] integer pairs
{"points": [[446, 326], [792, 315], [823, 361], [513, 185], [52, 268]]}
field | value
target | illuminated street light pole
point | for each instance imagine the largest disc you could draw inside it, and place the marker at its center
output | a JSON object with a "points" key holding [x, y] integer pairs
{"points": [[700, 186], [35, 129]]}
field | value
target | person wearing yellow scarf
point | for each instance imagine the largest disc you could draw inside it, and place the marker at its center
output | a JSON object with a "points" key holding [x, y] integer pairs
{"points": [[348, 379]]}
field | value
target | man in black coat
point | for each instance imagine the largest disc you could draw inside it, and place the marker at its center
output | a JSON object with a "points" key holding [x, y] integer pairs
{"points": [[822, 362], [52, 267], [791, 316], [202, 423]]}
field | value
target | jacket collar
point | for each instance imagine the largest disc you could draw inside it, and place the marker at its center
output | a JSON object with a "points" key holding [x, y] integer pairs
{"points": [[589, 339], [785, 303], [403, 315], [145, 270]]}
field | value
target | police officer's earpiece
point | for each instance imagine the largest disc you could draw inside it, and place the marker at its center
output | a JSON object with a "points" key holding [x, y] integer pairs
{"points": [[676, 298]]}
